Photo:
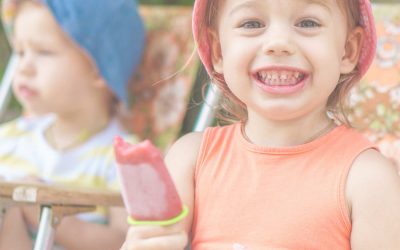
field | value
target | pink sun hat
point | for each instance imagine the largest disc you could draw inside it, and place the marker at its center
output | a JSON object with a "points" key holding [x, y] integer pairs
{"points": [[367, 53]]}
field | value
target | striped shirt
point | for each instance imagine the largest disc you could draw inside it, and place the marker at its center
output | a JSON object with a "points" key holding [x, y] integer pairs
{"points": [[24, 151]]}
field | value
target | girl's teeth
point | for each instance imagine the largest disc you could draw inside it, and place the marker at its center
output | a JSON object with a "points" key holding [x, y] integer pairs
{"points": [[283, 77]]}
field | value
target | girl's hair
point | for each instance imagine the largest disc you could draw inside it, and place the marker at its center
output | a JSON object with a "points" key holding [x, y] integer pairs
{"points": [[231, 109]]}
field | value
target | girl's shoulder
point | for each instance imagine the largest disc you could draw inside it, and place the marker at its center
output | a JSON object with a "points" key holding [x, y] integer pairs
{"points": [[185, 148], [188, 147], [372, 165], [373, 195], [371, 170]]}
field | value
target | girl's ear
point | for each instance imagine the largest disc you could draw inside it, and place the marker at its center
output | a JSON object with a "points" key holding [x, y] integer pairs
{"points": [[99, 82], [352, 50], [216, 54]]}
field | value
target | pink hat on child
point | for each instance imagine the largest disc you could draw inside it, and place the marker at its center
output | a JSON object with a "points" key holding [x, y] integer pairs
{"points": [[367, 22]]}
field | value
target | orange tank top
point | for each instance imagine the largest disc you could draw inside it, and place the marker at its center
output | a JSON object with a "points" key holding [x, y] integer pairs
{"points": [[249, 197]]}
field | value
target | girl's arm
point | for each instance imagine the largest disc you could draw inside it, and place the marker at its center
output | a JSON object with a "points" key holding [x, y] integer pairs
{"points": [[373, 194], [180, 160], [13, 231], [75, 234]]}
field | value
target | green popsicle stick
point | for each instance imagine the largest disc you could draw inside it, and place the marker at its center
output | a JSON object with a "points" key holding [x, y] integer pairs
{"points": [[174, 220]]}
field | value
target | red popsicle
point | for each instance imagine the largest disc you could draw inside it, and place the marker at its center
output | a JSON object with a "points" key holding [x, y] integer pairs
{"points": [[148, 191]]}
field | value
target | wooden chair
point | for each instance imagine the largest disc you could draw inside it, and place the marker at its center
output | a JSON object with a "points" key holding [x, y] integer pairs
{"points": [[55, 203]]}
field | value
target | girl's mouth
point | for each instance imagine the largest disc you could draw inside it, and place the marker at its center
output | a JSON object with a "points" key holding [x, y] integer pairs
{"points": [[280, 77], [280, 81], [27, 92]]}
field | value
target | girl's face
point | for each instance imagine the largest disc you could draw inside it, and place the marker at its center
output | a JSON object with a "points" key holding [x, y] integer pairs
{"points": [[53, 74], [283, 58]]}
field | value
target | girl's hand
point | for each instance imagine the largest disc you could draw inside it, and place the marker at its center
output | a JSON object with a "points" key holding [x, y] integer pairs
{"points": [[31, 215], [155, 238]]}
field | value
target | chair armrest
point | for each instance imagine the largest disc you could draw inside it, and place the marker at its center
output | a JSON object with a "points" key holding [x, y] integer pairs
{"points": [[54, 195]]}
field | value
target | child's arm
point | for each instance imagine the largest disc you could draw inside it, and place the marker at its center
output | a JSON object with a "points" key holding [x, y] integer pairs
{"points": [[13, 232], [75, 234], [373, 194], [180, 160], [90, 235]]}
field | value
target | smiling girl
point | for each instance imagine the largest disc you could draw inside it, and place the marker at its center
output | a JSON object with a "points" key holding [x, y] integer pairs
{"points": [[284, 175]]}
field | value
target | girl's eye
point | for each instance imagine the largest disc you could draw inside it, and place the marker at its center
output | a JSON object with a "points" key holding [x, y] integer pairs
{"points": [[19, 53], [44, 52], [252, 25], [308, 23]]}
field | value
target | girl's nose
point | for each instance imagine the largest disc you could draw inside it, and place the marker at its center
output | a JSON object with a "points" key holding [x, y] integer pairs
{"points": [[25, 64], [278, 42]]}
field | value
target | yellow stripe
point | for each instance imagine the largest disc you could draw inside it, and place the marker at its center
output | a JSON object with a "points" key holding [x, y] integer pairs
{"points": [[88, 181], [133, 139], [11, 130], [115, 185], [98, 151], [107, 151], [17, 163]]}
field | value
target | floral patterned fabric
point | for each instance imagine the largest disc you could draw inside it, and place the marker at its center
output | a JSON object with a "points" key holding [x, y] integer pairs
{"points": [[162, 87], [375, 102]]}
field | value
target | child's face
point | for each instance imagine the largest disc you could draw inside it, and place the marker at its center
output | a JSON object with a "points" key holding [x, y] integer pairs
{"points": [[283, 58], [53, 74]]}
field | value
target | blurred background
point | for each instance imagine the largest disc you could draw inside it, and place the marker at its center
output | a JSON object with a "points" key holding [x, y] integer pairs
{"points": [[162, 112], [176, 2], [5, 50], [188, 2]]}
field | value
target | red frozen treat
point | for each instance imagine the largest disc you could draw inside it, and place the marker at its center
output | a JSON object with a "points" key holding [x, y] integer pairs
{"points": [[148, 191]]}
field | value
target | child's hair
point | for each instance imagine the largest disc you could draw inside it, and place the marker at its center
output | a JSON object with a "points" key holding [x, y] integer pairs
{"points": [[358, 13], [110, 32]]}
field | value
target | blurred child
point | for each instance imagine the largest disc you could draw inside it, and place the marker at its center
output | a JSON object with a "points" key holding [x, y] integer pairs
{"points": [[284, 176], [74, 61]]}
